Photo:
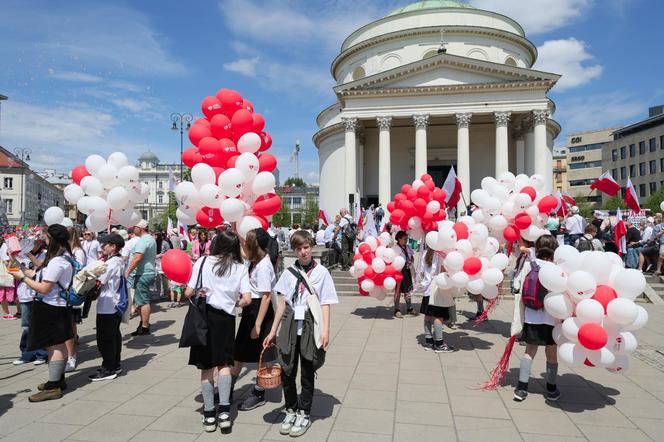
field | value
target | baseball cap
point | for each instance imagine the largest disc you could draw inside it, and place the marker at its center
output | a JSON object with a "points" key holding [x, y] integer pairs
{"points": [[142, 224], [114, 239]]}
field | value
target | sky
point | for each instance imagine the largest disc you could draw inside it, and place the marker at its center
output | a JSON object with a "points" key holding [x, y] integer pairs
{"points": [[94, 76]]}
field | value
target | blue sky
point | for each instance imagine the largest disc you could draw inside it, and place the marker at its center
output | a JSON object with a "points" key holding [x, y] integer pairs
{"points": [[98, 76]]}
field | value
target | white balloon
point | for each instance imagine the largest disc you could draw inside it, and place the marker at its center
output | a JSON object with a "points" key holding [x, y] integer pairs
{"points": [[247, 163], [361, 265], [232, 209], [497, 223], [93, 163], [389, 256], [398, 262], [572, 354], [521, 181], [464, 247], [231, 182], [184, 217], [614, 258], [601, 358], [532, 233], [97, 207], [184, 191], [581, 285], [118, 160], [53, 215], [499, 261], [467, 220], [263, 183], [432, 240], [117, 198], [367, 285], [459, 279], [499, 192], [558, 305], [446, 238], [478, 234], [491, 206], [492, 276], [553, 278], [210, 196], [479, 196], [389, 283], [378, 292], [433, 206], [372, 242], [96, 224], [640, 321], [380, 250], [417, 184], [589, 311], [622, 311], [385, 238], [661, 206], [67, 222], [507, 180], [415, 223], [73, 193], [247, 224], [249, 142], [491, 247], [92, 186], [82, 205], [202, 174], [490, 292], [378, 265], [568, 258], [557, 334], [128, 176], [620, 365], [570, 329], [443, 281], [357, 272], [625, 342], [475, 286], [478, 215], [537, 181], [108, 175], [522, 201], [488, 182], [598, 265], [629, 283], [453, 262]]}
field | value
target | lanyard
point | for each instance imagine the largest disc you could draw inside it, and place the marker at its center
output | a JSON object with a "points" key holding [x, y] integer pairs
{"points": [[302, 284]]}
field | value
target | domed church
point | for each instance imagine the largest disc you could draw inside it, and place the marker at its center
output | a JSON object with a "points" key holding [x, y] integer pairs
{"points": [[432, 85]]}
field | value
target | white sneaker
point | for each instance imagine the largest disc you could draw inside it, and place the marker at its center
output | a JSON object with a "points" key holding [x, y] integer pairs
{"points": [[19, 362], [39, 362], [224, 421], [71, 365], [288, 422], [301, 425]]}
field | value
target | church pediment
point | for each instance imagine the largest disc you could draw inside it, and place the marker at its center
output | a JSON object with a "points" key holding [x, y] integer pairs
{"points": [[449, 72]]}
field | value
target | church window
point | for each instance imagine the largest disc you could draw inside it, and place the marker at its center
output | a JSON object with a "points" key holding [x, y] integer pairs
{"points": [[510, 61], [359, 73]]}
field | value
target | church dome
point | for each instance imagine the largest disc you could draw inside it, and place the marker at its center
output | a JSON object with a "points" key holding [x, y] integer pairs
{"points": [[148, 157], [429, 4]]}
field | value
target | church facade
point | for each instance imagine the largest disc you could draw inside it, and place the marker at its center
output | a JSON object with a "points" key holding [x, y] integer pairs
{"points": [[433, 85]]}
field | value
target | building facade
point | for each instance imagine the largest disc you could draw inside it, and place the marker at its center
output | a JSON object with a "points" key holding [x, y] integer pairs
{"points": [[156, 176], [300, 203], [560, 183], [584, 162], [432, 85], [61, 180], [637, 152]]}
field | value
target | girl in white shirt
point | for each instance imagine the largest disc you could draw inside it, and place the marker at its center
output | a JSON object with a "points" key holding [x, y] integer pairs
{"points": [[225, 285], [429, 268], [77, 316], [257, 317], [50, 323]]}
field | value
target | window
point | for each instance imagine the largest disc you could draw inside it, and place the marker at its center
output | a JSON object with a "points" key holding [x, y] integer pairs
{"points": [[632, 150], [632, 170], [653, 166], [642, 169], [586, 182], [653, 144], [586, 164], [595, 198], [661, 164], [614, 173], [147, 200], [614, 155], [653, 188], [160, 184], [642, 147], [586, 147], [9, 183], [9, 205], [623, 153], [623, 172], [510, 61], [144, 214], [296, 202], [160, 198], [642, 190], [358, 73], [661, 141], [559, 178]]}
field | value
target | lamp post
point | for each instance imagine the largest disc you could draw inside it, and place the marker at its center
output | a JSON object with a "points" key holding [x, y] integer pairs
{"points": [[180, 121], [24, 154]]}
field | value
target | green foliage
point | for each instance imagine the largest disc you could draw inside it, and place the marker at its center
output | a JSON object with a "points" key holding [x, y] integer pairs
{"points": [[615, 202], [282, 217], [654, 201], [310, 210], [295, 182], [160, 222], [585, 206]]}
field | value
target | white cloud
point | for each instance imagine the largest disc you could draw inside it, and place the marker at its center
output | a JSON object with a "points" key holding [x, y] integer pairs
{"points": [[244, 66], [132, 104], [79, 77], [538, 16], [600, 111], [568, 57]]}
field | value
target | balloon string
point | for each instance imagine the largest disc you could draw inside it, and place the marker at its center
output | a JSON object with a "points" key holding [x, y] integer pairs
{"points": [[500, 371], [490, 307], [110, 213]]}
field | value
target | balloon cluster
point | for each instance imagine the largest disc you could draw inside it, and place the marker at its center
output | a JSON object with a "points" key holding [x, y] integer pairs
{"points": [[231, 173], [377, 266], [418, 207], [106, 190], [592, 295], [471, 258], [513, 207]]}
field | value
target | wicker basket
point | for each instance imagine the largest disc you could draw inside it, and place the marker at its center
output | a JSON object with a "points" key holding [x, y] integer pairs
{"points": [[268, 377]]}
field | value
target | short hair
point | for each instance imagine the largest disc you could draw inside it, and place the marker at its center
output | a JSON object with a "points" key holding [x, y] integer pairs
{"points": [[301, 238], [545, 246], [400, 234], [591, 229]]}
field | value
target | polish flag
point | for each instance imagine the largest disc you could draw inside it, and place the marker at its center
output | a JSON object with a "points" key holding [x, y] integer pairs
{"points": [[564, 203], [619, 233], [606, 184], [452, 188], [322, 217], [169, 227], [183, 230], [631, 198], [358, 215]]}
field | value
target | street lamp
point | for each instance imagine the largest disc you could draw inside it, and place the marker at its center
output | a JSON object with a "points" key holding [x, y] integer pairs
{"points": [[183, 120], [24, 154]]}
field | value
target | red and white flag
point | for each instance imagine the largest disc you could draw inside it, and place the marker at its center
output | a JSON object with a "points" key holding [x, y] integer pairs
{"points": [[606, 184], [169, 226], [452, 188], [564, 203], [183, 230], [322, 217], [620, 233], [358, 215], [631, 198]]}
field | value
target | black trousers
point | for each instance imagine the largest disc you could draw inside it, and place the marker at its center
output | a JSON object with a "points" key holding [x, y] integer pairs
{"points": [[109, 340], [306, 379], [346, 252]]}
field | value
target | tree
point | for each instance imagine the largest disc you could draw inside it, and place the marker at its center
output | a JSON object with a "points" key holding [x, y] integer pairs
{"points": [[310, 210], [282, 217], [585, 207], [295, 182], [653, 203], [615, 202], [160, 222]]}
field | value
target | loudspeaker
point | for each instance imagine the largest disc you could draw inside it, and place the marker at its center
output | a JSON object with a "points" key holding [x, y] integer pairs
{"points": [[351, 198]]}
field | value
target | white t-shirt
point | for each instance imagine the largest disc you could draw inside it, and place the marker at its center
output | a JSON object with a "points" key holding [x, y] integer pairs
{"points": [[322, 283], [58, 270], [223, 292], [80, 256], [320, 238], [3, 252], [128, 247], [25, 293], [575, 225], [110, 286], [92, 249], [428, 273], [262, 278]]}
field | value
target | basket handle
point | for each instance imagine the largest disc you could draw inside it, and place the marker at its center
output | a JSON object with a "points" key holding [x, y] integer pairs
{"points": [[260, 359]]}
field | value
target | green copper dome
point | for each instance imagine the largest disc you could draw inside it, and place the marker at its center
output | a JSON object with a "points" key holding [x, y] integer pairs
{"points": [[430, 4]]}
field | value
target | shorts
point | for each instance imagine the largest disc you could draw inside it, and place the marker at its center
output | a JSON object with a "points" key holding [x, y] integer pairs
{"points": [[142, 285], [661, 249], [538, 334], [438, 312], [424, 305], [176, 287], [7, 294]]}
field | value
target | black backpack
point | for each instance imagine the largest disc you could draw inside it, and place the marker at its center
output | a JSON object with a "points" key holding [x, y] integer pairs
{"points": [[350, 229], [585, 244], [273, 250]]}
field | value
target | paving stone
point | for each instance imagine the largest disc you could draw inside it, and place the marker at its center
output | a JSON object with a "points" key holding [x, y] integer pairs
{"points": [[652, 427], [179, 420], [544, 422], [363, 420], [80, 412], [113, 427], [164, 436], [476, 406], [375, 400], [482, 429], [604, 433], [421, 393], [423, 433], [41, 431], [424, 413]]}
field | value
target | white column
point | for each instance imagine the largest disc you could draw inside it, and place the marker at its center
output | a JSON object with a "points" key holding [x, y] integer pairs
{"points": [[542, 162], [421, 123], [350, 125], [520, 150], [529, 147], [502, 153], [463, 157], [384, 161]]}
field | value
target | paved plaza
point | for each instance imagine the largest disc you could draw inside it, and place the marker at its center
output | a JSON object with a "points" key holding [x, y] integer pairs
{"points": [[378, 385]]}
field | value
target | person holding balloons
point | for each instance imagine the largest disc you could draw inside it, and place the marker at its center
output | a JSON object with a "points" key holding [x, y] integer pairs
{"points": [[534, 321], [406, 287]]}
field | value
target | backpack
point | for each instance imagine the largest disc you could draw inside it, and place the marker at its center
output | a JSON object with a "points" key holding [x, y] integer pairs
{"points": [[608, 235], [533, 292], [350, 229], [585, 244], [273, 250], [123, 300], [73, 298]]}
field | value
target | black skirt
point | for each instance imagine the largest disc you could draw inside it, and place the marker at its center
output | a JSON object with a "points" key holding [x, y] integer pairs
{"points": [[407, 281], [247, 349], [49, 325], [538, 334], [438, 312], [424, 305], [220, 341]]}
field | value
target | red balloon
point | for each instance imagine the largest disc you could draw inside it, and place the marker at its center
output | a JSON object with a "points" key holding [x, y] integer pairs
{"points": [[368, 258], [189, 156], [426, 177], [231, 101], [530, 191], [430, 185], [472, 265], [231, 161], [379, 278], [78, 173], [547, 204], [440, 216], [427, 218], [221, 126], [439, 195], [209, 218], [176, 265], [390, 206], [522, 221], [197, 132], [398, 277], [204, 121], [211, 106], [592, 336], [266, 141], [267, 162], [248, 105], [369, 273], [604, 294], [511, 233], [411, 194], [420, 206], [241, 123], [209, 146], [396, 216], [399, 197], [364, 248], [390, 270], [264, 222], [215, 161], [258, 124], [423, 192], [405, 188], [408, 207], [267, 205], [461, 230], [228, 147]]}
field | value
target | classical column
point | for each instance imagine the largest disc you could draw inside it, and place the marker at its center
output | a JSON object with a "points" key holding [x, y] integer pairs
{"points": [[502, 153], [463, 156], [529, 147], [384, 160], [421, 123], [520, 150], [542, 162], [350, 125]]}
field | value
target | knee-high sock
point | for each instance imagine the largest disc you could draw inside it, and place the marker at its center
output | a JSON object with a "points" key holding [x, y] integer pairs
{"points": [[551, 373], [437, 332], [427, 329], [55, 370], [524, 369], [207, 390], [224, 383]]}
